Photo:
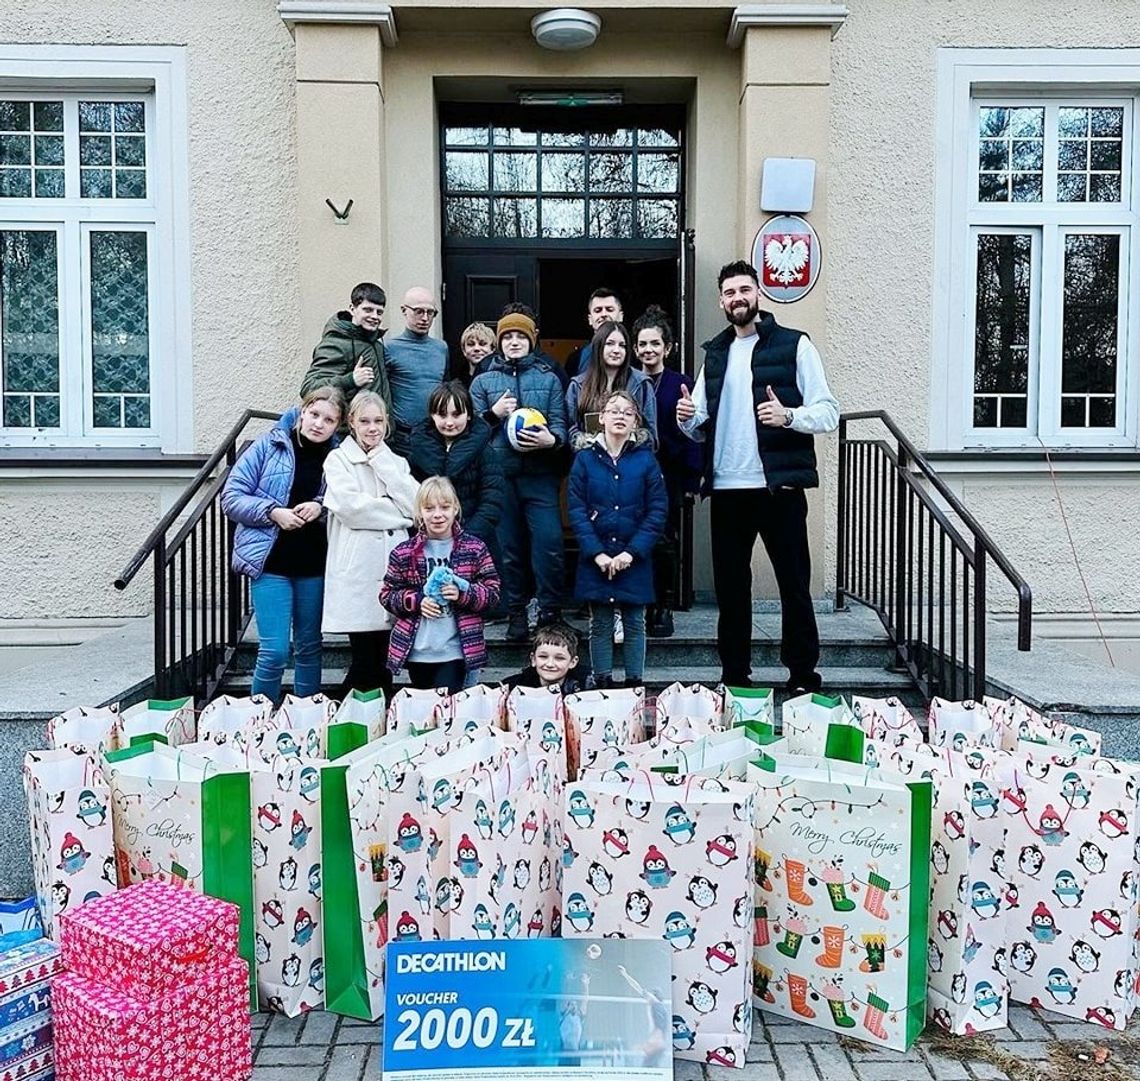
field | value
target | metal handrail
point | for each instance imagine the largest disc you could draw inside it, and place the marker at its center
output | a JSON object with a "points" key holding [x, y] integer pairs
{"points": [[899, 553], [201, 604]]}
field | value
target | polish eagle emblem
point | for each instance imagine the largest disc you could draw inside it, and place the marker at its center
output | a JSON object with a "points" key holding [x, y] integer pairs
{"points": [[786, 259]]}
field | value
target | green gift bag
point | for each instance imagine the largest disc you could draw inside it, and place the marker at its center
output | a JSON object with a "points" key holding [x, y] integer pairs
{"points": [[360, 719], [156, 720], [181, 818]]}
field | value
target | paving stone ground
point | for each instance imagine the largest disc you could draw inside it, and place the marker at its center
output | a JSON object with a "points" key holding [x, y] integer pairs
{"points": [[325, 1047]]}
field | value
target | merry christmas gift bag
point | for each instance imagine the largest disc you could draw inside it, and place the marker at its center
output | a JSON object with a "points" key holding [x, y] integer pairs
{"points": [[1071, 848], [356, 792], [412, 710], [359, 719], [603, 722], [843, 881], [72, 841], [657, 860], [886, 719], [181, 818], [968, 989], [90, 729], [165, 721], [805, 721]]}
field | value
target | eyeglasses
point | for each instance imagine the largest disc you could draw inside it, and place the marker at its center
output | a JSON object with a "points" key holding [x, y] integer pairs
{"points": [[420, 313], [620, 412]]}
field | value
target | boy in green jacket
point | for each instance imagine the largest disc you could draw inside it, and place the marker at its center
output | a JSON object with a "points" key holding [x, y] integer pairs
{"points": [[350, 354]]}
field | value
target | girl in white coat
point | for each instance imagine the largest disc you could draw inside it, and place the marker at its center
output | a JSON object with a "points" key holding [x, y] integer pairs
{"points": [[370, 497]]}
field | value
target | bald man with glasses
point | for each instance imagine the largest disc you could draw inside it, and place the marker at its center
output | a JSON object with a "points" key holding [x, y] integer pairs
{"points": [[416, 364]]}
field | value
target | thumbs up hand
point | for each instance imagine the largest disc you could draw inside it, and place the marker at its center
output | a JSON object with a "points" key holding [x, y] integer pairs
{"points": [[686, 408], [772, 413]]}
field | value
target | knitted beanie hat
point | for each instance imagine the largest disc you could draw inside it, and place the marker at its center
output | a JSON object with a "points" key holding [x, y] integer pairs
{"points": [[517, 321]]}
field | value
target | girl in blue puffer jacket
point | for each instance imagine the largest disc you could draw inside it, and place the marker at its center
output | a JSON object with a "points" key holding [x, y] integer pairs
{"points": [[617, 507], [275, 494]]}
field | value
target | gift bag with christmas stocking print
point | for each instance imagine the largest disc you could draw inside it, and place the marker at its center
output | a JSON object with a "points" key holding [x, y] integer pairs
{"points": [[842, 879], [182, 818], [968, 989], [73, 855], [356, 793], [652, 859], [605, 723], [806, 719], [87, 729], [1071, 857], [412, 711], [886, 719]]}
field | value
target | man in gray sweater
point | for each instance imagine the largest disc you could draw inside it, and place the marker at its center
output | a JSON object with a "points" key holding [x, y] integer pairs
{"points": [[416, 364]]}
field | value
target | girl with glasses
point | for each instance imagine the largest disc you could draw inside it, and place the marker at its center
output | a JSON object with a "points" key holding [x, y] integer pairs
{"points": [[617, 507]]}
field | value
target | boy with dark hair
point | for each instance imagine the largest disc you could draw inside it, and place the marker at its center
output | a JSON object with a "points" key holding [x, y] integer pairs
{"points": [[350, 354], [554, 662], [604, 305]]}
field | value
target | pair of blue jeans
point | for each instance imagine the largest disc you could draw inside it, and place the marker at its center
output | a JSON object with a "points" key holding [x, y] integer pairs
{"points": [[602, 640], [287, 608], [530, 538]]}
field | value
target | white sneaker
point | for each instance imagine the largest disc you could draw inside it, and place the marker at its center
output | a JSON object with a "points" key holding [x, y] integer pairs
{"points": [[619, 628]]}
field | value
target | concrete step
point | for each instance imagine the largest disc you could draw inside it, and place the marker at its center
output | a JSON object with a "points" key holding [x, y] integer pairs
{"points": [[871, 682]]}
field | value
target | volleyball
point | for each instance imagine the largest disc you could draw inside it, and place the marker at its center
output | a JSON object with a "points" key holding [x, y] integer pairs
{"points": [[521, 419]]}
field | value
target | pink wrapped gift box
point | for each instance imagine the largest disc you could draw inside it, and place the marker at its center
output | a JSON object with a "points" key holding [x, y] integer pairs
{"points": [[149, 939], [198, 1031]]}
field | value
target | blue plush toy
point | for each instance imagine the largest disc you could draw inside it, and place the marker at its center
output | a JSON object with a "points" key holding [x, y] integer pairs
{"points": [[440, 577]]}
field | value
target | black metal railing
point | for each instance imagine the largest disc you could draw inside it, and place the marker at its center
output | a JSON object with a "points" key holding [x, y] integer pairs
{"points": [[201, 606], [910, 550]]}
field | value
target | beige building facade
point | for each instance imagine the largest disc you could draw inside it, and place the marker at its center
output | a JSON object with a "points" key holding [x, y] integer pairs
{"points": [[169, 253]]}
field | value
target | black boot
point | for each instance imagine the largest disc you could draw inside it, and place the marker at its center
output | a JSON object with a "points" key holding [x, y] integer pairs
{"points": [[661, 625], [518, 630]]}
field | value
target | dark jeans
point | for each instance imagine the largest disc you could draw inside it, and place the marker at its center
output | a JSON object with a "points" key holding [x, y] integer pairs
{"points": [[428, 676], [369, 667], [779, 519], [530, 538]]}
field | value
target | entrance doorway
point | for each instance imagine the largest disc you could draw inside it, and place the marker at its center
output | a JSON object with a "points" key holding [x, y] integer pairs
{"points": [[542, 206]]}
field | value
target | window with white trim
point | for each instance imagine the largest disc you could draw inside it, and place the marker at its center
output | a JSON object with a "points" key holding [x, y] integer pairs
{"points": [[1050, 302], [92, 251]]}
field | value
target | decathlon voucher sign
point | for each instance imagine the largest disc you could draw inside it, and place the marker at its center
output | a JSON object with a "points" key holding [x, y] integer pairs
{"points": [[540, 1009]]}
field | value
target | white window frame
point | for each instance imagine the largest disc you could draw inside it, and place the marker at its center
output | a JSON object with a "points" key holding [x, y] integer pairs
{"points": [[113, 72], [967, 79]]}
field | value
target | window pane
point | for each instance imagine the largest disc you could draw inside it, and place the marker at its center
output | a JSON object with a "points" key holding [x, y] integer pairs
{"points": [[658, 172], [49, 149], [1070, 187], [611, 172], [993, 123], [29, 324], [465, 170], [1090, 168], [130, 116], [993, 187], [657, 137], [563, 172], [516, 217], [465, 136], [49, 184], [514, 137], [563, 138], [15, 116], [95, 183], [1072, 154], [1026, 187], [515, 172], [1090, 318], [1027, 123], [15, 183], [49, 115], [120, 323], [1002, 322], [621, 137], [94, 116], [1104, 188], [1011, 154], [130, 150], [1105, 154], [1073, 123], [657, 217], [1028, 154], [467, 217], [1108, 122], [611, 217], [95, 150], [993, 155], [563, 217], [15, 149], [130, 184]]}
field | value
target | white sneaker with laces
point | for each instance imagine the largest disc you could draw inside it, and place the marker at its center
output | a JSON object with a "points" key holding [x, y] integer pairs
{"points": [[619, 628]]}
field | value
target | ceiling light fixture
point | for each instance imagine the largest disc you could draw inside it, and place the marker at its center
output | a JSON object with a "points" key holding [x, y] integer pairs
{"points": [[565, 29]]}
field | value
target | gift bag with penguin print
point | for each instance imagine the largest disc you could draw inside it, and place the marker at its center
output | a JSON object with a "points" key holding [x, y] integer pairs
{"points": [[412, 710], [87, 729], [538, 714], [653, 859], [603, 722], [1015, 721], [165, 721], [356, 795], [228, 718], [1071, 858], [886, 719], [481, 705], [842, 877], [749, 704], [961, 724], [806, 719], [968, 988], [685, 713], [72, 842]]}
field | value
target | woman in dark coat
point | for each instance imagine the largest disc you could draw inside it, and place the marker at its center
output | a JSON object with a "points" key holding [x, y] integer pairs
{"points": [[452, 443], [617, 507]]}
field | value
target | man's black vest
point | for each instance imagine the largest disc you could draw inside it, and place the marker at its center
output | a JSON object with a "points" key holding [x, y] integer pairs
{"points": [[788, 457]]}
